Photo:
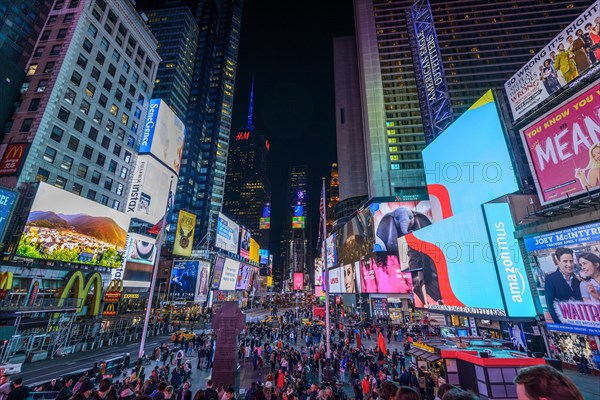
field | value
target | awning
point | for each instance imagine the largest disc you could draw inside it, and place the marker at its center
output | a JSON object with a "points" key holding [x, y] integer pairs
{"points": [[424, 354]]}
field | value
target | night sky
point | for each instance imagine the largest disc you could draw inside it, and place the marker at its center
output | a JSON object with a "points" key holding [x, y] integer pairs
{"points": [[288, 48]]}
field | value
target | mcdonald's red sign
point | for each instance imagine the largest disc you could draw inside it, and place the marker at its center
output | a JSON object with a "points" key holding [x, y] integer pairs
{"points": [[12, 158]]}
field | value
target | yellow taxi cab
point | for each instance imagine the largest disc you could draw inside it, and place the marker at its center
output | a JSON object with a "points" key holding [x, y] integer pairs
{"points": [[182, 334], [269, 319], [307, 322], [318, 322]]}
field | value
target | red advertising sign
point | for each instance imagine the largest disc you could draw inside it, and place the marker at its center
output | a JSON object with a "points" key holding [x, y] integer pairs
{"points": [[564, 147], [11, 160], [298, 281]]}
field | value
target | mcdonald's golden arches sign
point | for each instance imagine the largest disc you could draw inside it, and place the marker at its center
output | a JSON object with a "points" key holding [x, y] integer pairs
{"points": [[113, 291], [12, 158]]}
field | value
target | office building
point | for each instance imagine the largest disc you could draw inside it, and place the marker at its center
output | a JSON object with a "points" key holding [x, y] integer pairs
{"points": [[333, 195], [481, 43], [88, 84]]}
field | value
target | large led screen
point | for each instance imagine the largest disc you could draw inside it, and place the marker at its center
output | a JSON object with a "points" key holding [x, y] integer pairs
{"points": [[184, 276], [563, 147], [149, 192], [245, 242], [452, 266], [65, 227], [216, 279], [335, 280], [331, 251], [244, 277], [263, 255], [141, 249], [469, 163], [395, 219], [566, 268], [203, 277], [318, 272], [298, 281], [163, 135], [351, 278], [569, 55], [382, 273], [229, 275], [228, 233]]}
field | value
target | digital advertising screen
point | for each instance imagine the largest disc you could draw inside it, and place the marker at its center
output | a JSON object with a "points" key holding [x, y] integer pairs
{"points": [[463, 173], [298, 281], [351, 278], [265, 219], [567, 57], [382, 273], [318, 272], [203, 276], [149, 191], [184, 236], [216, 279], [228, 233], [298, 211], [263, 255], [65, 227], [163, 135], [254, 251], [395, 219], [446, 259], [7, 200], [245, 242], [244, 277], [573, 254], [229, 275], [563, 147], [141, 249], [298, 222], [331, 251], [184, 276], [335, 280]]}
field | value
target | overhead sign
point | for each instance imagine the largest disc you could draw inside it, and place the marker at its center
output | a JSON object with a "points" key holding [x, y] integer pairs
{"points": [[568, 56], [113, 291], [141, 249], [203, 276], [229, 275], [298, 281], [12, 158], [7, 200], [184, 275], [184, 236], [227, 234], [245, 242]]}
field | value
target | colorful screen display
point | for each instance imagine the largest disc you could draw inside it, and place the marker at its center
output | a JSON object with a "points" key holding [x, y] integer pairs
{"points": [[563, 147], [382, 273], [228, 233], [184, 275], [203, 276], [335, 280], [244, 277], [298, 281], [298, 222], [216, 279], [245, 242], [230, 274], [566, 268], [263, 256]]}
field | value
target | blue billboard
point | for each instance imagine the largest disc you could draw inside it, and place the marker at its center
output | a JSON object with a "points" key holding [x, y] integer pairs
{"points": [[509, 262], [7, 200], [264, 256], [469, 164]]}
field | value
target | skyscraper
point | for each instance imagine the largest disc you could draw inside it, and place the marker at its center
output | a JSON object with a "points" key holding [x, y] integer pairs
{"points": [[295, 224], [481, 43], [333, 195]]}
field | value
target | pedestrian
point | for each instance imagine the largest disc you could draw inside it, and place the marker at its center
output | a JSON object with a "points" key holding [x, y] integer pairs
{"points": [[5, 387], [65, 392], [179, 357], [545, 382], [85, 390], [19, 391]]}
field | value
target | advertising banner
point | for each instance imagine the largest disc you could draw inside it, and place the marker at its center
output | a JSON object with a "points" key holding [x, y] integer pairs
{"points": [[566, 268], [183, 280], [245, 242], [563, 147], [65, 227], [254, 251], [203, 276], [7, 200], [382, 273], [463, 173], [149, 192], [264, 256], [269, 281], [571, 54], [244, 277], [509, 261], [229, 275], [218, 272], [446, 259], [351, 277], [298, 281], [12, 158], [164, 135], [184, 236], [318, 272], [331, 251], [141, 249], [392, 220], [335, 280], [228, 233]]}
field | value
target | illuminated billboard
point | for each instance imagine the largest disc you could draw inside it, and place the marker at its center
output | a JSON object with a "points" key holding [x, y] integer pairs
{"points": [[203, 276], [298, 281], [463, 173], [244, 277], [265, 219], [264, 256], [568, 56], [184, 236], [563, 147], [65, 227], [149, 191], [254, 251], [7, 199], [318, 272], [331, 251], [382, 273], [229, 274], [351, 278], [395, 219], [245, 242], [298, 211], [141, 249], [298, 222], [228, 233], [446, 259], [184, 275], [163, 135], [573, 254], [335, 280], [218, 272]]}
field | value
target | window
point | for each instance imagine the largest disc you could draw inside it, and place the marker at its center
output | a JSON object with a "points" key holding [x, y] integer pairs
{"points": [[76, 78], [131, 141], [60, 182], [31, 70], [42, 175], [56, 134], [112, 70], [135, 77], [105, 142], [74, 4], [49, 154], [45, 36], [122, 80], [59, 4], [79, 124], [91, 194], [77, 188], [112, 166], [108, 27], [101, 159], [70, 96], [124, 118], [110, 126], [134, 126], [96, 177], [84, 107], [128, 104], [121, 134], [114, 110], [103, 100], [116, 56], [123, 173], [104, 200], [93, 133], [82, 171], [63, 114], [116, 204], [100, 58], [55, 50], [90, 90], [62, 33], [26, 125], [49, 67], [66, 163], [127, 157], [137, 113], [88, 151], [73, 143], [92, 30], [117, 150], [144, 86], [39, 51], [104, 43], [120, 188], [24, 87], [108, 184], [98, 117], [107, 84], [82, 61], [34, 104], [52, 20], [41, 87], [68, 18], [87, 45], [126, 66], [141, 100], [118, 95]]}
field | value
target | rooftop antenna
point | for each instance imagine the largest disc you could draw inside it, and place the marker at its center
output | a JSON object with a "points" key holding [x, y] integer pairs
{"points": [[251, 107]]}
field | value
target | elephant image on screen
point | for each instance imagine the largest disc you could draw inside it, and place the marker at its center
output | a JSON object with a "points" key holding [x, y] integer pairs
{"points": [[397, 223]]}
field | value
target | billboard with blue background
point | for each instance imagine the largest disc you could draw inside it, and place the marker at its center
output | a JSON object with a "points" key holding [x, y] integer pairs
{"points": [[7, 200]]}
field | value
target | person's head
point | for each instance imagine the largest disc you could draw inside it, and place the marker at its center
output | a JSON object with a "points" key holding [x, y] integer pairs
{"points": [[594, 153], [387, 390], [547, 62], [543, 382], [588, 27], [444, 388], [229, 393], [349, 278], [566, 261], [579, 32], [3, 379], [86, 388], [209, 383], [18, 382], [53, 382], [590, 264], [186, 385], [407, 393], [459, 394], [553, 55], [313, 387], [169, 391], [104, 385], [329, 391], [561, 47], [162, 385], [570, 39]]}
